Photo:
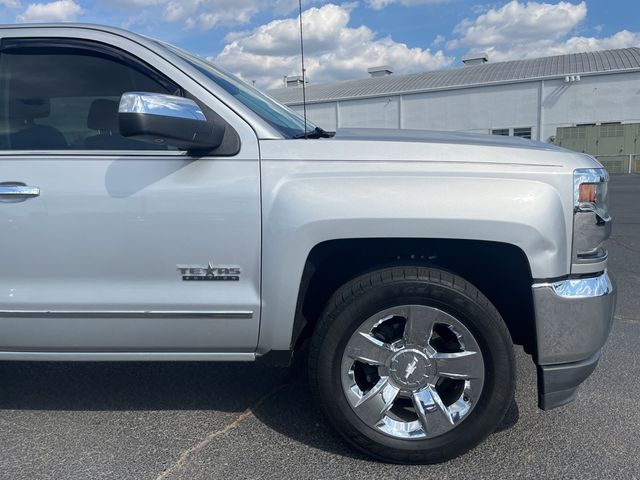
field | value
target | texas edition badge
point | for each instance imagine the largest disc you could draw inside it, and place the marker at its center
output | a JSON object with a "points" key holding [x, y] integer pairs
{"points": [[209, 273]]}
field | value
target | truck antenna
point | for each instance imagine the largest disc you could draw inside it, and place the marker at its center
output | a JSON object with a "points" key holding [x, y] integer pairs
{"points": [[304, 79]]}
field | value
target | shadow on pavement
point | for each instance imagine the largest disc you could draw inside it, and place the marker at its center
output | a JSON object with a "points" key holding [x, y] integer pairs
{"points": [[292, 412], [134, 386], [282, 398]]}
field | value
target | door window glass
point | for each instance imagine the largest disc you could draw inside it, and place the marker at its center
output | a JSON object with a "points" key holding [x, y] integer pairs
{"points": [[64, 95]]}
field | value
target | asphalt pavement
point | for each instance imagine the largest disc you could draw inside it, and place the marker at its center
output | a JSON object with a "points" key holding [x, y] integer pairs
{"points": [[228, 421]]}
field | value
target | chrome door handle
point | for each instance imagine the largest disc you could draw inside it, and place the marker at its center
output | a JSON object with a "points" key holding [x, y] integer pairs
{"points": [[17, 192]]}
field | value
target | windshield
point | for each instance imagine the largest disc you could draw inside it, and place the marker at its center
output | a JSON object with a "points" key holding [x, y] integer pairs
{"points": [[283, 119]]}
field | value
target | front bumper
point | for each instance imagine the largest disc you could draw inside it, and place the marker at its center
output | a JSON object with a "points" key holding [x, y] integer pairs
{"points": [[573, 321]]}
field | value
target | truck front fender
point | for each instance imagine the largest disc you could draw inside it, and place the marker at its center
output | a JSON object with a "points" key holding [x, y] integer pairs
{"points": [[302, 211]]}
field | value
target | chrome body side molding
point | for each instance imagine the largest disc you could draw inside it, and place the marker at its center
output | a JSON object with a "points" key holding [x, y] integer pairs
{"points": [[125, 314], [37, 356]]}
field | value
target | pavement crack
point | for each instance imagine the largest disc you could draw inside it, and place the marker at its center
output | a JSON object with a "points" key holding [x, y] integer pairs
{"points": [[627, 319], [191, 451]]}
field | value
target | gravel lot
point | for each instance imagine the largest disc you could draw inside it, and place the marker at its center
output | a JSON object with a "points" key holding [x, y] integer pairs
{"points": [[214, 421]]}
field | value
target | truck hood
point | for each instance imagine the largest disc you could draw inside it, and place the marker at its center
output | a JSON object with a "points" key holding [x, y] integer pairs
{"points": [[395, 147], [433, 136]]}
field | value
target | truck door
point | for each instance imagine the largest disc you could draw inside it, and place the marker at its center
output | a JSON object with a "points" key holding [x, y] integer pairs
{"points": [[110, 245]]}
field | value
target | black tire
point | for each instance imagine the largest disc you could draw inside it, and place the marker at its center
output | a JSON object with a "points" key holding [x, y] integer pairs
{"points": [[375, 291]]}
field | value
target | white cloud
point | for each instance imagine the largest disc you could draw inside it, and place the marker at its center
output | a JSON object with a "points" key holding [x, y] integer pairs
{"points": [[439, 40], [10, 3], [58, 11], [533, 29], [202, 14], [131, 4], [380, 4], [322, 29], [334, 50], [622, 39], [520, 22], [206, 14]]}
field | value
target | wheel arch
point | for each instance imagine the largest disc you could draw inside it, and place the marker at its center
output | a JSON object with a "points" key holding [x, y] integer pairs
{"points": [[499, 270]]}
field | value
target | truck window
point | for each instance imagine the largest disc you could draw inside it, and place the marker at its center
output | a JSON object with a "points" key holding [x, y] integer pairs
{"points": [[64, 95], [283, 119]]}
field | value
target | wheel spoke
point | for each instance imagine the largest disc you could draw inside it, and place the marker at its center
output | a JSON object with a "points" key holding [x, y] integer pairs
{"points": [[459, 365], [432, 413], [368, 349], [419, 325], [373, 406], [404, 366]]}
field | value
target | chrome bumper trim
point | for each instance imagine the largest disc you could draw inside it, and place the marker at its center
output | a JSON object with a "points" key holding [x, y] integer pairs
{"points": [[573, 318], [573, 321], [580, 287]]}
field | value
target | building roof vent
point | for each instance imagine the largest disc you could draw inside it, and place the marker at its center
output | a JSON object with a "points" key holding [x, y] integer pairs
{"points": [[381, 71], [475, 59], [293, 81]]}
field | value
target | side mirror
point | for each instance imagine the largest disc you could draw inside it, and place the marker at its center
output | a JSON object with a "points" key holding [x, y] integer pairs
{"points": [[167, 120]]}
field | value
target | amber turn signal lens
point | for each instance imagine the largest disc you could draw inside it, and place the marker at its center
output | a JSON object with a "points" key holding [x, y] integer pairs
{"points": [[587, 193]]}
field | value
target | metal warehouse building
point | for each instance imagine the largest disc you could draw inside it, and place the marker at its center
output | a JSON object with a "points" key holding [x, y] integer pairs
{"points": [[532, 98]]}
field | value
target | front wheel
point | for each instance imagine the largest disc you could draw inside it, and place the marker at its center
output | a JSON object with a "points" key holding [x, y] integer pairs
{"points": [[412, 365]]}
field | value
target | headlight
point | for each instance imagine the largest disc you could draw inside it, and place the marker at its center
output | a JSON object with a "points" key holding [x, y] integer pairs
{"points": [[590, 189], [591, 220]]}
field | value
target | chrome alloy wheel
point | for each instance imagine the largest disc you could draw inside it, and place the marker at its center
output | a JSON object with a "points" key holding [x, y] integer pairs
{"points": [[412, 372]]}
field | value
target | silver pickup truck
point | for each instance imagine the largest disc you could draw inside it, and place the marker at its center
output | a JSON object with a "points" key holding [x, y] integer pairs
{"points": [[154, 207]]}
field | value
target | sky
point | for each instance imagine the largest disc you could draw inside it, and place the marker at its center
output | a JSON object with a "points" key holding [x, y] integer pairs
{"points": [[259, 39]]}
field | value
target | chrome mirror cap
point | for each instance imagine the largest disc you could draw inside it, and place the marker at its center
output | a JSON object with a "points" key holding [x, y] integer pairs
{"points": [[162, 105], [168, 120]]}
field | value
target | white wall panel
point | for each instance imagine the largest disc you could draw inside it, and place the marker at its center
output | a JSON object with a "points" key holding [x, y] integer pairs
{"points": [[321, 114], [473, 109], [370, 113]]}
